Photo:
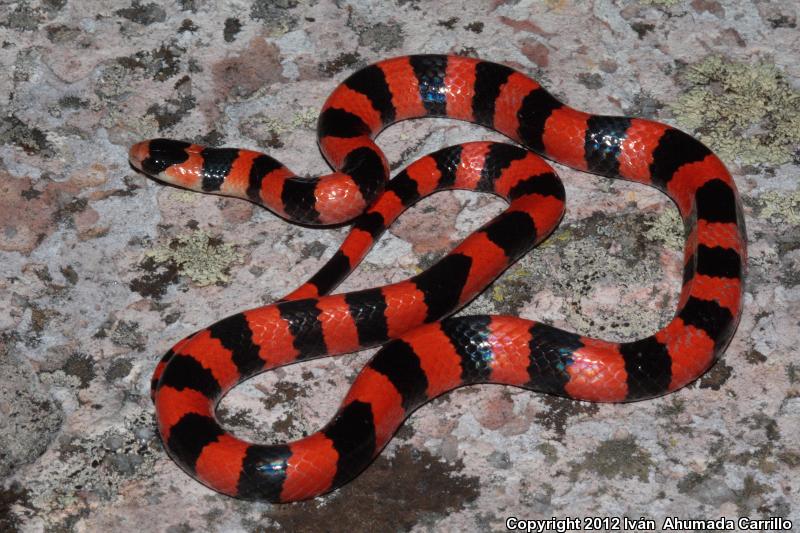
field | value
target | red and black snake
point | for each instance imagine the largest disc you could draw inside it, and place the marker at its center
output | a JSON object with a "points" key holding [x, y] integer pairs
{"points": [[426, 354]]}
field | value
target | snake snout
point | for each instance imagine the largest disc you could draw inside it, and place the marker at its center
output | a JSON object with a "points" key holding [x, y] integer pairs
{"points": [[138, 153], [156, 155]]}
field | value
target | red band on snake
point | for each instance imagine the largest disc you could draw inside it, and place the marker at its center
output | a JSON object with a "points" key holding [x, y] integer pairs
{"points": [[426, 354]]}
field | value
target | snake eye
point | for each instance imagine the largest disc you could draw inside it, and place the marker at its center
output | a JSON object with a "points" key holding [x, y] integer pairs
{"points": [[156, 155]]}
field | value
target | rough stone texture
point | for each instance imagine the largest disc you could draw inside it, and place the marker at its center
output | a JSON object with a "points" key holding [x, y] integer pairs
{"points": [[101, 271]]}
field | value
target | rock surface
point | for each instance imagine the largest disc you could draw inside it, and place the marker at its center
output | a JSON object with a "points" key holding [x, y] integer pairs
{"points": [[103, 269]]}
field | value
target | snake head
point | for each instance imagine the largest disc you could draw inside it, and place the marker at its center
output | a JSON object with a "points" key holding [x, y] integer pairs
{"points": [[164, 159]]}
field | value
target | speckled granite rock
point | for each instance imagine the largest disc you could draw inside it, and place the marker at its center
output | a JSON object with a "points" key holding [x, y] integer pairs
{"points": [[103, 269]]}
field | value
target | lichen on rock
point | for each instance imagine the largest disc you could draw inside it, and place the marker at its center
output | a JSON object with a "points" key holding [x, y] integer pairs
{"points": [[663, 228], [747, 112], [779, 205], [203, 258]]}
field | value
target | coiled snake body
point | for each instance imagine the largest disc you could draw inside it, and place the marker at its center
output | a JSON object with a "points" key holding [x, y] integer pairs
{"points": [[426, 354]]}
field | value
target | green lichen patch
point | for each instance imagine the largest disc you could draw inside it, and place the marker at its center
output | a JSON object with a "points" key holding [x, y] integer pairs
{"points": [[747, 112], [514, 289], [98, 465], [667, 228], [582, 273], [778, 206], [198, 255], [267, 131], [305, 118]]}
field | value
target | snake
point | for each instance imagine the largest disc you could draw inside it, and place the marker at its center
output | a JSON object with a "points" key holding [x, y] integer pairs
{"points": [[424, 351]]}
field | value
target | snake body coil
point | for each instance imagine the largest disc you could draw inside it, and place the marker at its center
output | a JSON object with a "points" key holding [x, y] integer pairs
{"points": [[426, 354]]}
